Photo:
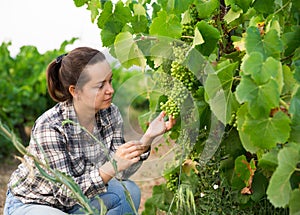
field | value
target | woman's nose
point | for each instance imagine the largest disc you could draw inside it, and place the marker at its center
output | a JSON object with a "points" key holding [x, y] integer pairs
{"points": [[110, 89]]}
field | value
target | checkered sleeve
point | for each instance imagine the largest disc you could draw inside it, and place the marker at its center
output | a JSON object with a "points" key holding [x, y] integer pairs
{"points": [[50, 145]]}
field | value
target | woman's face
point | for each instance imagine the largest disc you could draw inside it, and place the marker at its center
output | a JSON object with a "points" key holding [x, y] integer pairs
{"points": [[97, 92]]}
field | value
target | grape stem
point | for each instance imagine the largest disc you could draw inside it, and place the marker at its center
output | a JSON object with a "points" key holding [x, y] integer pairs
{"points": [[146, 38], [284, 104], [191, 37], [280, 9]]}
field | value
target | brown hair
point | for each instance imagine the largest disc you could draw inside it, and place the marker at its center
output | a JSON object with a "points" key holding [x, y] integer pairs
{"points": [[68, 70]]}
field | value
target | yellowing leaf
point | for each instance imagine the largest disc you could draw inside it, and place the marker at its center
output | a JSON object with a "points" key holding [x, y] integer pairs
{"points": [[188, 166], [232, 15], [139, 10], [240, 45], [128, 52], [198, 39]]}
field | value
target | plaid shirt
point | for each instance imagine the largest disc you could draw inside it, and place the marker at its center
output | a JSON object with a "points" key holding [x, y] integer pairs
{"points": [[69, 149]]}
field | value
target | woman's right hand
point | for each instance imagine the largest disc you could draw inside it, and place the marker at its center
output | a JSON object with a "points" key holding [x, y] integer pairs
{"points": [[128, 154]]}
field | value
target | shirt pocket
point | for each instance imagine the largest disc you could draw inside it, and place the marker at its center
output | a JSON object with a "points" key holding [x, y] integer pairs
{"points": [[76, 159]]}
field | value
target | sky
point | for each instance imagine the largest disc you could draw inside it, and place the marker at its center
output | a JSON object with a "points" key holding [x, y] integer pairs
{"points": [[46, 24]]}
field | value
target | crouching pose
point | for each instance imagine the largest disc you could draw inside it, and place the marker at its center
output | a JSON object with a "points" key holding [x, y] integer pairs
{"points": [[80, 83]]}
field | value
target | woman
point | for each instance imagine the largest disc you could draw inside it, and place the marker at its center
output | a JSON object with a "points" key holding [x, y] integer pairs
{"points": [[80, 82]]}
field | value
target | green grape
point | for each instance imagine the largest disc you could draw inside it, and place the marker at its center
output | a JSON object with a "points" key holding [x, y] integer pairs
{"points": [[180, 84], [233, 120], [172, 182], [170, 108]]}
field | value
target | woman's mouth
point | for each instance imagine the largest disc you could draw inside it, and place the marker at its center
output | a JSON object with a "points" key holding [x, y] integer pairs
{"points": [[108, 100]]}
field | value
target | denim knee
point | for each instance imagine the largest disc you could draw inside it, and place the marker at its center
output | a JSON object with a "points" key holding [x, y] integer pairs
{"points": [[116, 187]]}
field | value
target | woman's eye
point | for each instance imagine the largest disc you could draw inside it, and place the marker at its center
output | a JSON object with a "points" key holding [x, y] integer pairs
{"points": [[101, 86], [110, 80]]}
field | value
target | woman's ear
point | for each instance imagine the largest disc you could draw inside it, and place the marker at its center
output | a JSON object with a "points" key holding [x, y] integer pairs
{"points": [[72, 91]]}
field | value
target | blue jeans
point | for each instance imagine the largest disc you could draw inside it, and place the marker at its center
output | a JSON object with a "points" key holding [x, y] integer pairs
{"points": [[114, 200]]}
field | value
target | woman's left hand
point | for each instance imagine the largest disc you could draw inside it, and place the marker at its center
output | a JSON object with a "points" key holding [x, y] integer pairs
{"points": [[158, 126]]}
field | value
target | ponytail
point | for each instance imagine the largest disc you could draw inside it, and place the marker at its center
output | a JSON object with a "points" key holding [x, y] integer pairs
{"points": [[55, 88]]}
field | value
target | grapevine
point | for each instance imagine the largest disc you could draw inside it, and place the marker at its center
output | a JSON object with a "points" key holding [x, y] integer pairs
{"points": [[249, 68]]}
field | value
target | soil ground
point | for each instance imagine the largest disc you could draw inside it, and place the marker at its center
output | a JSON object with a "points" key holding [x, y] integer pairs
{"points": [[6, 168]]}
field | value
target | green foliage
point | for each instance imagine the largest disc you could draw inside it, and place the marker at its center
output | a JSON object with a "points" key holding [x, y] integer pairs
{"points": [[279, 190], [22, 84], [245, 58]]}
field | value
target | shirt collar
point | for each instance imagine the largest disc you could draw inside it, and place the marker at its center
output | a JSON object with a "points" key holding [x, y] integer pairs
{"points": [[68, 112], [102, 117]]}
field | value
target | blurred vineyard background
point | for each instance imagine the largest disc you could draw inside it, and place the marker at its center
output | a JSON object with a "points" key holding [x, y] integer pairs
{"points": [[253, 49]]}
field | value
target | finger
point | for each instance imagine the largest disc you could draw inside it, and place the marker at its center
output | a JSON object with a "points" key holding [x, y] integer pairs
{"points": [[170, 123], [134, 154], [161, 115], [129, 144], [137, 147]]}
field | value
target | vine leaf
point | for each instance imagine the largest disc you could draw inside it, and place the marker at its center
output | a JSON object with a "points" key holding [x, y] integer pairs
{"points": [[161, 49], [291, 40], [245, 171], [232, 15], [269, 160], [253, 42], [139, 23], [128, 52], [261, 98], [295, 115], [190, 165], [210, 36], [178, 6], [206, 8], [139, 10], [265, 133], [252, 64], [198, 39], [244, 4], [120, 14], [279, 188], [80, 3], [273, 44], [218, 88], [269, 46], [111, 22], [166, 25], [262, 71], [94, 6], [264, 6], [294, 205]]}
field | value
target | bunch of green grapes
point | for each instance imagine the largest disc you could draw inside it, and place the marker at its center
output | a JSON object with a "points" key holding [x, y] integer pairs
{"points": [[187, 33], [170, 108], [233, 120], [182, 82], [194, 16], [172, 182], [189, 28]]}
